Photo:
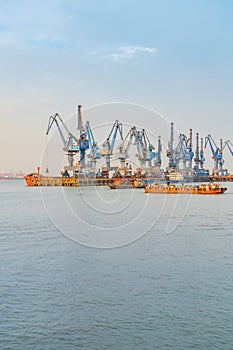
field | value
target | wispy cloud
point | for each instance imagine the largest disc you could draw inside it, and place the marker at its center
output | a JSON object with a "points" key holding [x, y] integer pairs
{"points": [[129, 52]]}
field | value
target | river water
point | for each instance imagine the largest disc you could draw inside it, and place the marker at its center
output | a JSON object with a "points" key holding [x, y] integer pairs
{"points": [[167, 284]]}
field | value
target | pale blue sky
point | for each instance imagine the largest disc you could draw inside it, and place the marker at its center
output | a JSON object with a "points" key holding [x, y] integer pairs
{"points": [[172, 56]]}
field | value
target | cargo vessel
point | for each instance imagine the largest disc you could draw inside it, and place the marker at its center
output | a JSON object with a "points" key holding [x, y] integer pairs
{"points": [[185, 189], [37, 179], [34, 180]]}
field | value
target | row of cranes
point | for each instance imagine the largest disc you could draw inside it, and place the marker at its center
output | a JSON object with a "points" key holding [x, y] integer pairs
{"points": [[181, 157], [86, 141], [183, 152]]}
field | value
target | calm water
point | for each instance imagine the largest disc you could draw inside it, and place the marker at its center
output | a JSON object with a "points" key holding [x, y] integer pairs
{"points": [[170, 289]]}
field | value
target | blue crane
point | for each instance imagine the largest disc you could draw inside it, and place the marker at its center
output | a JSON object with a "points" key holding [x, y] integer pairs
{"points": [[70, 143], [183, 151], [124, 147], [190, 148], [149, 152], [187, 151], [199, 159], [93, 145], [83, 141], [108, 145], [179, 152], [229, 144], [145, 149], [217, 155]]}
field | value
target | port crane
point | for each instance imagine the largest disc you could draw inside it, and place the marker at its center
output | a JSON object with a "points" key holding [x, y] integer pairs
{"points": [[187, 151], [199, 159], [93, 145], [82, 141], [108, 145], [182, 152], [145, 148], [229, 145], [199, 153], [217, 155], [149, 149], [124, 147], [70, 143]]}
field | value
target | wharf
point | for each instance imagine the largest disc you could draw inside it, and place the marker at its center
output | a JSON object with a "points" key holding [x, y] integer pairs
{"points": [[223, 178]]}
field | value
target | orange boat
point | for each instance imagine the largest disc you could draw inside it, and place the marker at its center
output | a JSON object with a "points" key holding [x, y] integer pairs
{"points": [[35, 180], [115, 184], [209, 189], [185, 189]]}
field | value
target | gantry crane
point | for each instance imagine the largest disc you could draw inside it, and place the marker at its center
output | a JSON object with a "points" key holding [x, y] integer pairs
{"points": [[83, 141], [93, 145], [124, 147], [179, 153], [217, 155], [182, 152], [187, 151], [199, 159], [108, 145], [149, 152], [70, 143], [145, 149]]}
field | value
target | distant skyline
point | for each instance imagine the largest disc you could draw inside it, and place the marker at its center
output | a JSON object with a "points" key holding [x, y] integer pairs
{"points": [[175, 57]]}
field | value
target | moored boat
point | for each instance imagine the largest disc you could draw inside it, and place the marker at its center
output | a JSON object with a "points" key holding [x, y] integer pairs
{"points": [[34, 180], [185, 189], [211, 188], [173, 189], [140, 183], [115, 184]]}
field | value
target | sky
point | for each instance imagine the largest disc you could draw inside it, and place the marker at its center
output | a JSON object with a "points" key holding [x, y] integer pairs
{"points": [[171, 56]]}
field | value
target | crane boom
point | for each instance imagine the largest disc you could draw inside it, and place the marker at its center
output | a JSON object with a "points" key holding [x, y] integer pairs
{"points": [[54, 119], [217, 155], [93, 145], [229, 144], [70, 144], [108, 145]]}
